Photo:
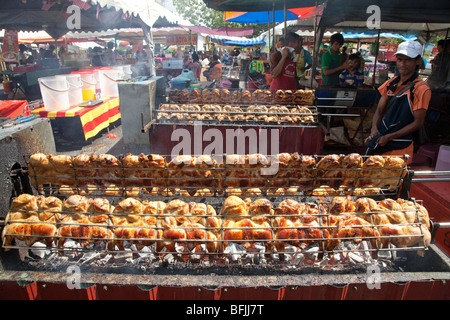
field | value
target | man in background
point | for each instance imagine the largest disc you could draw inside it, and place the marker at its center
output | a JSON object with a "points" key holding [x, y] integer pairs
{"points": [[331, 62]]}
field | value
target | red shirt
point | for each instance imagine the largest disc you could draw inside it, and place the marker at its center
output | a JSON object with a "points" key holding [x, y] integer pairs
{"points": [[287, 79]]}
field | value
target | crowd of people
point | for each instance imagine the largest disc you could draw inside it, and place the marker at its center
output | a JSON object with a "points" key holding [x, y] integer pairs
{"points": [[29, 55], [338, 68]]}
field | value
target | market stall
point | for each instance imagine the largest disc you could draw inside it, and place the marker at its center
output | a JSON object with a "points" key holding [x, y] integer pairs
{"points": [[226, 220]]}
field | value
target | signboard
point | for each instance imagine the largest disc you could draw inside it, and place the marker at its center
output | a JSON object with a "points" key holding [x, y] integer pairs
{"points": [[181, 40], [10, 48]]}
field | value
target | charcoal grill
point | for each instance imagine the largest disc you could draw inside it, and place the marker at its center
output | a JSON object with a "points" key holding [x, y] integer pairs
{"points": [[40, 272]]}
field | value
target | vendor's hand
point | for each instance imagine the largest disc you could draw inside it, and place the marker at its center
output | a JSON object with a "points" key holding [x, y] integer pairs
{"points": [[383, 140], [373, 133]]}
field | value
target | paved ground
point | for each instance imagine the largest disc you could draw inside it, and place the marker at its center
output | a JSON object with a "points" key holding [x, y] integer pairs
{"points": [[104, 143]]}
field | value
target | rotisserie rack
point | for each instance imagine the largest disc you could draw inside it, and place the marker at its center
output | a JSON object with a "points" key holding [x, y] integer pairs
{"points": [[338, 230], [223, 114], [254, 175], [218, 208], [246, 97]]}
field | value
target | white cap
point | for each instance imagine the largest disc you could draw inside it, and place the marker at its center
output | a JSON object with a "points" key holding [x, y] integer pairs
{"points": [[411, 49]]}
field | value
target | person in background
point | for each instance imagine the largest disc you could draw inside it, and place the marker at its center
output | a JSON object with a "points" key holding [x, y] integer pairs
{"points": [[195, 64], [304, 60], [49, 53], [179, 53], [110, 54], [402, 107], [322, 49], [186, 60], [331, 62], [141, 54], [22, 54], [344, 54], [352, 76], [214, 67], [362, 62], [96, 59], [283, 65], [280, 44], [440, 65]]}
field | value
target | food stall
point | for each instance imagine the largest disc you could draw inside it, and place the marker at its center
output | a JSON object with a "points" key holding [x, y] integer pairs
{"points": [[287, 225]]}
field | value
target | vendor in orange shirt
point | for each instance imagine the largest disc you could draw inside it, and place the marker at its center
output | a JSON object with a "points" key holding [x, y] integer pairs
{"points": [[400, 112]]}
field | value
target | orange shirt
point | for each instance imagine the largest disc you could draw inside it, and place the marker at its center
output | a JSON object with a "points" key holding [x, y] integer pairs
{"points": [[421, 92]]}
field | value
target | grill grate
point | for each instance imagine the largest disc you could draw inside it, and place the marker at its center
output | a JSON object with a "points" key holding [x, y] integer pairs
{"points": [[323, 250]]}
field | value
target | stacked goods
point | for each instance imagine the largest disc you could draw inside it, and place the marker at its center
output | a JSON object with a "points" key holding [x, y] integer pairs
{"points": [[254, 174], [224, 96], [178, 226], [258, 113]]}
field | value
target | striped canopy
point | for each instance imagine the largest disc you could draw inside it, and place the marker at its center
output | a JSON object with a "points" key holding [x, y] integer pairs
{"points": [[261, 17], [238, 41]]}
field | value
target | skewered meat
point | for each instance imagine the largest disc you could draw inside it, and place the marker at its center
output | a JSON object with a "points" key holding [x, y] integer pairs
{"points": [[32, 219], [133, 222], [243, 223], [84, 220]]}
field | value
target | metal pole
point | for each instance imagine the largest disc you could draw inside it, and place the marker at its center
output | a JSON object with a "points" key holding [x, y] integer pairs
{"points": [[313, 67], [273, 19], [268, 27], [285, 24], [376, 57]]}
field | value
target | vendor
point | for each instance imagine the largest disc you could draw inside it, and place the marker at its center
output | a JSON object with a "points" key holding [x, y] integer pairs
{"points": [[215, 69], [283, 65], [402, 107], [331, 62], [304, 60]]}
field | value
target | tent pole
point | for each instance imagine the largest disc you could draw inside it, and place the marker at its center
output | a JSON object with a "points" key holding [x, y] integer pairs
{"points": [[285, 23], [268, 26], [313, 67], [376, 57], [273, 19]]}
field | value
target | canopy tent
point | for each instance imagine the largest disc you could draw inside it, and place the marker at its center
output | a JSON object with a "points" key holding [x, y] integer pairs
{"points": [[418, 13], [260, 17], [238, 41], [258, 5], [94, 15], [149, 11]]}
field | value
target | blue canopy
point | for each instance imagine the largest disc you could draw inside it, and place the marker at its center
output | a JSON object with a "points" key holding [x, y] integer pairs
{"points": [[238, 41], [404, 37]]}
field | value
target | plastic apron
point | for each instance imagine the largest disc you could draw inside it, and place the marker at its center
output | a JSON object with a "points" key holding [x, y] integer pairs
{"points": [[398, 116]]}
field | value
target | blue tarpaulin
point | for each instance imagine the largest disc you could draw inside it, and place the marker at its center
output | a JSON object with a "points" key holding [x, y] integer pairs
{"points": [[238, 41]]}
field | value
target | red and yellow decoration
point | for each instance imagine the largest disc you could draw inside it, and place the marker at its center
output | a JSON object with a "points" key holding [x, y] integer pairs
{"points": [[93, 119]]}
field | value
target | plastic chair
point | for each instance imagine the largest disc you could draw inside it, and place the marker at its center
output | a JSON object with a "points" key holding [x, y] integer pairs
{"points": [[430, 152]]}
